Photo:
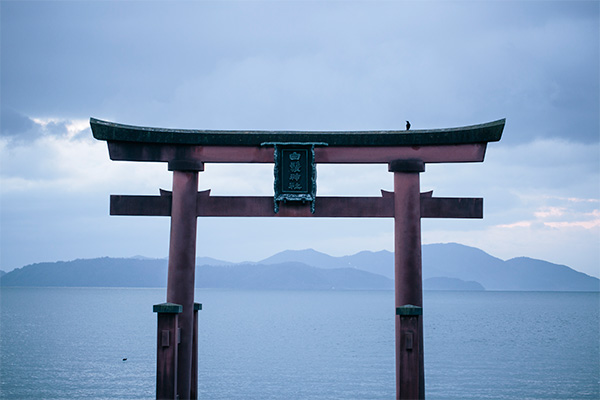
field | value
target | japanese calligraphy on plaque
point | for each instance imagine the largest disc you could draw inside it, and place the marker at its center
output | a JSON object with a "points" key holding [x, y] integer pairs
{"points": [[295, 174]]}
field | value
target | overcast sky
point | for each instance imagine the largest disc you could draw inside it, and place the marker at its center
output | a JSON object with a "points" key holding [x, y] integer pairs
{"points": [[300, 66]]}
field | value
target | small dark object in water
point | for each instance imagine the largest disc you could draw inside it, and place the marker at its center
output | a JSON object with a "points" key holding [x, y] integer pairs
{"points": [[407, 125], [124, 359]]}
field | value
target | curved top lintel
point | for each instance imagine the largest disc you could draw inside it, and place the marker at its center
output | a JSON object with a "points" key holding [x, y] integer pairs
{"points": [[114, 132]]}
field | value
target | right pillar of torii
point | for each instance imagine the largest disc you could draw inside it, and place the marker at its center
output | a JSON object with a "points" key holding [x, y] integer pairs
{"points": [[410, 372]]}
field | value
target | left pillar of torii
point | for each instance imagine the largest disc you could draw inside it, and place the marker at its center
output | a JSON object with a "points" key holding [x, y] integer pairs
{"points": [[182, 263], [177, 335]]}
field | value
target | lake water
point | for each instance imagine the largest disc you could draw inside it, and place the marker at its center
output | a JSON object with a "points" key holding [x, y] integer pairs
{"points": [[70, 342]]}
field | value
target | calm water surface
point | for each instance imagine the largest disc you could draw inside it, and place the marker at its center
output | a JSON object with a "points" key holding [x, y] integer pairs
{"points": [[60, 343]]}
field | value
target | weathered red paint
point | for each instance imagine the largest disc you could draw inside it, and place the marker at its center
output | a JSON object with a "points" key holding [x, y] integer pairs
{"points": [[181, 269]]}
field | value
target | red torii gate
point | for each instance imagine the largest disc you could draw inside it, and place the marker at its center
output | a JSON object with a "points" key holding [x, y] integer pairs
{"points": [[295, 155]]}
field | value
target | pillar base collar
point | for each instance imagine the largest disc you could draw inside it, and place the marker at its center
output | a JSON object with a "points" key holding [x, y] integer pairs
{"points": [[170, 308], [409, 310]]}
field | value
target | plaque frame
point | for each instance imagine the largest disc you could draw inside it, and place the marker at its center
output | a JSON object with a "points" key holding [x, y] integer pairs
{"points": [[304, 174]]}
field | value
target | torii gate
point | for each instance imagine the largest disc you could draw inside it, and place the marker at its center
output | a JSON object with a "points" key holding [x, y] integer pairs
{"points": [[295, 155]]}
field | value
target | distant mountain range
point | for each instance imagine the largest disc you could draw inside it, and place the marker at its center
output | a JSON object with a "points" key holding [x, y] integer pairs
{"points": [[452, 260], [445, 267]]}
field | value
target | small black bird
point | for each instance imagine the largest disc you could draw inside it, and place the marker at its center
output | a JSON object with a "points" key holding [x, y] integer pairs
{"points": [[407, 125], [124, 359]]}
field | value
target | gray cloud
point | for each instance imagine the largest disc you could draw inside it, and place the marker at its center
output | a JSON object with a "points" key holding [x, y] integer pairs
{"points": [[20, 130], [314, 65], [15, 126]]}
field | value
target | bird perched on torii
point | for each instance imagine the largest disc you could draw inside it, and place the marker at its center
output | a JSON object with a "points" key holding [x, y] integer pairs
{"points": [[407, 125]]}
